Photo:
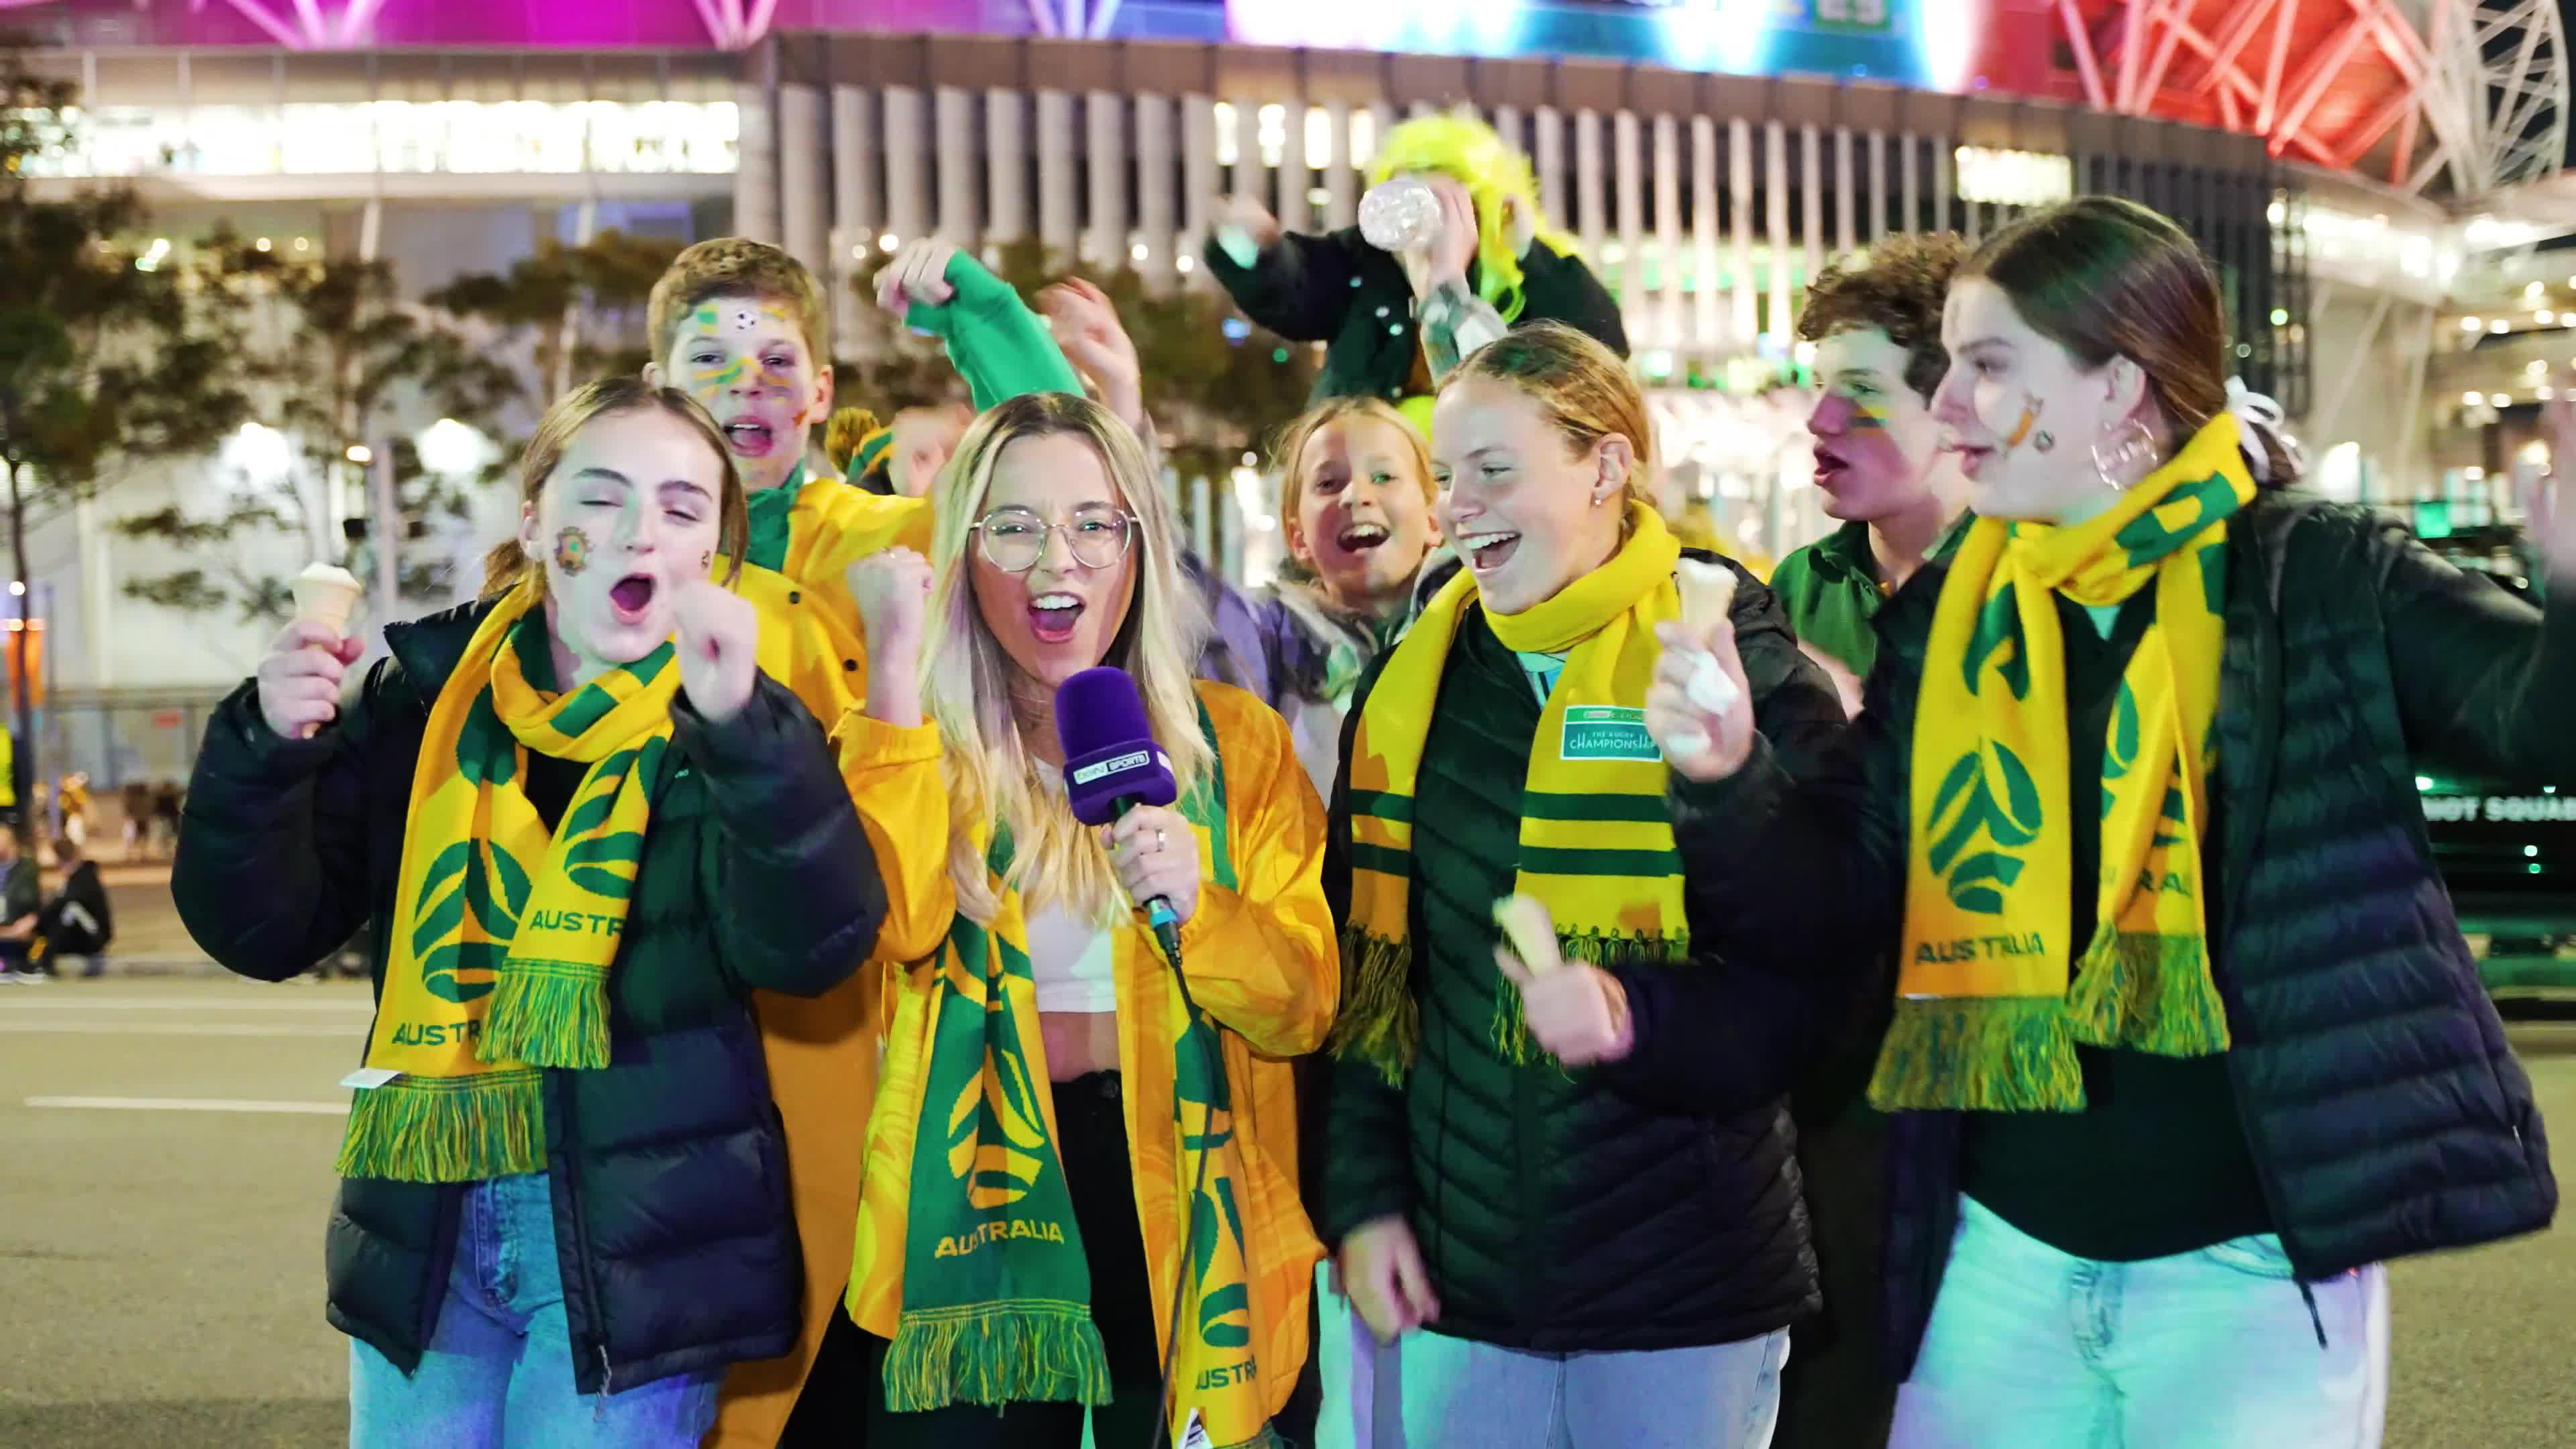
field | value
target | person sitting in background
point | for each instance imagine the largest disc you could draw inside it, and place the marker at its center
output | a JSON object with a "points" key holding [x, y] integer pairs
{"points": [[74, 920], [19, 904]]}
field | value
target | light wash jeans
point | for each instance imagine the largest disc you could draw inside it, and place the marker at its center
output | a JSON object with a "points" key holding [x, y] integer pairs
{"points": [[1363, 1387], [1457, 1394], [2212, 1349], [498, 1373]]}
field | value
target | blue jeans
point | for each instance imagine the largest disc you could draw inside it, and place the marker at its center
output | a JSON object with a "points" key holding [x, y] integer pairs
{"points": [[1459, 1392], [499, 1370], [2211, 1349]]}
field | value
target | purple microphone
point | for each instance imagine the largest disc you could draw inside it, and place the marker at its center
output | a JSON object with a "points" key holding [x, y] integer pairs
{"points": [[1112, 765]]}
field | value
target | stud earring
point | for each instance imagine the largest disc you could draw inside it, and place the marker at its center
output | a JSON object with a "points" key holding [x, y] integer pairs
{"points": [[2042, 441]]}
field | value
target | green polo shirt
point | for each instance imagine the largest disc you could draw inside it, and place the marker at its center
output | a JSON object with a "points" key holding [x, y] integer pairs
{"points": [[1830, 590]]}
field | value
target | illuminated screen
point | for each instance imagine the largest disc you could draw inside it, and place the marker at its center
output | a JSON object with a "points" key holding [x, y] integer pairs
{"points": [[1916, 42]]}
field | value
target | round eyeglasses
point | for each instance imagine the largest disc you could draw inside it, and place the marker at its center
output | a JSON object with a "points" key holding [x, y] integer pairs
{"points": [[1016, 538]]}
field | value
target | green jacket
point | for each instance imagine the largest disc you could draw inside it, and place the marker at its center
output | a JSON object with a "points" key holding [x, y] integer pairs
{"points": [[998, 345]]}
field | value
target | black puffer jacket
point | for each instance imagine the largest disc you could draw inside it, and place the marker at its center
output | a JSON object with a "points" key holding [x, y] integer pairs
{"points": [[2386, 1113], [1339, 290], [1651, 1204], [670, 1182]]}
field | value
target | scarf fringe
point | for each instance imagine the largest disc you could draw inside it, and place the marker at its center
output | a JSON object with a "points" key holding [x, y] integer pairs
{"points": [[1380, 1022], [1605, 949], [548, 1014], [2148, 992], [1979, 1054], [1027, 1351], [447, 1129]]}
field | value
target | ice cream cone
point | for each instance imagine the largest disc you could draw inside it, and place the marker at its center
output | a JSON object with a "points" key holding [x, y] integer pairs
{"points": [[325, 594]]}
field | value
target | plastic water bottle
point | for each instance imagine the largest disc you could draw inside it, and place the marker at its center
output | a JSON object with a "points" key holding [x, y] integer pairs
{"points": [[1401, 214]]}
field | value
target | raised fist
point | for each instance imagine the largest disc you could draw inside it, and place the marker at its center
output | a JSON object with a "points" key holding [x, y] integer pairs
{"points": [[719, 647], [918, 273]]}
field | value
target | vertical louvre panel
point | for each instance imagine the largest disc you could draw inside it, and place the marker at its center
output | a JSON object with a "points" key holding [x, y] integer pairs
{"points": [[1668, 230], [1198, 178], [1058, 171], [906, 156], [1106, 118], [1746, 298], [1706, 335], [1811, 213], [1341, 182], [1877, 185], [1548, 146], [1635, 311], [1587, 183], [1155, 183], [1845, 195], [955, 139], [1006, 176], [1775, 188]]}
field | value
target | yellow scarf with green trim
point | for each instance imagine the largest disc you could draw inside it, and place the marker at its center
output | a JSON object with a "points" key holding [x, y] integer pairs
{"points": [[1986, 1016], [966, 1235], [502, 948], [1596, 841]]}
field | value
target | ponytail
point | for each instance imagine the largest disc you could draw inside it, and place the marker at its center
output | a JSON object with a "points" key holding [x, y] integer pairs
{"points": [[504, 566]]}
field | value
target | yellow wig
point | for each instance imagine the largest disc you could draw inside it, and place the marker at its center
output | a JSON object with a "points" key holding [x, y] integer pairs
{"points": [[1467, 150]]}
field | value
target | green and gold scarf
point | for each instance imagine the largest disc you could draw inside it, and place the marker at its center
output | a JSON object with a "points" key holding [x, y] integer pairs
{"points": [[1596, 839], [994, 1291], [501, 951], [1986, 1017]]}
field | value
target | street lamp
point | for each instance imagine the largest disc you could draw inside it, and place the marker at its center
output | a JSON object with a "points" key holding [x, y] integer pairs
{"points": [[452, 449], [361, 454]]}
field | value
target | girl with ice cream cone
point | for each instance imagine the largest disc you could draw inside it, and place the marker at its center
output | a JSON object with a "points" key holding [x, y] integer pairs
{"points": [[585, 826], [1560, 1253]]}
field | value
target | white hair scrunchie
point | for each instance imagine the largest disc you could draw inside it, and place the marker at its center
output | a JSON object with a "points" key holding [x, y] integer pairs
{"points": [[2262, 422]]}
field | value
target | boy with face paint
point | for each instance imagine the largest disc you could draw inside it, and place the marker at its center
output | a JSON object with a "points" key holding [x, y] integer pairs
{"points": [[1875, 320]]}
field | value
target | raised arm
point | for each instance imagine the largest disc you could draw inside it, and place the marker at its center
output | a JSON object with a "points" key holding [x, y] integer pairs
{"points": [[1296, 285], [998, 345], [272, 873]]}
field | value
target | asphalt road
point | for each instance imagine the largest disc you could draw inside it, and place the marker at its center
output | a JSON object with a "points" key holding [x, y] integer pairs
{"points": [[165, 1151]]}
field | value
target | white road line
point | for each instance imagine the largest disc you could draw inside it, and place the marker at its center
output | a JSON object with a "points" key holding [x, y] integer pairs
{"points": [[193, 1104], [179, 1028], [20, 1001]]}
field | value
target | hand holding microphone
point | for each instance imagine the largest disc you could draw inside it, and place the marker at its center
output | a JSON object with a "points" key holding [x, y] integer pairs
{"points": [[1156, 855], [1117, 778]]}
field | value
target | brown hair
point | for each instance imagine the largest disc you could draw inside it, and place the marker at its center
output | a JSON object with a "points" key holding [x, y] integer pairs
{"points": [[1290, 444], [508, 563], [2106, 278], [735, 266], [1585, 389], [1896, 285]]}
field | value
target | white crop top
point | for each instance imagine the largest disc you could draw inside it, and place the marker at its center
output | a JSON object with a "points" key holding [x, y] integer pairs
{"points": [[1072, 959]]}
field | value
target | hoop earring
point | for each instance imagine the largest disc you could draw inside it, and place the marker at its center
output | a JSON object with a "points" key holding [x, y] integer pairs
{"points": [[2042, 441], [2134, 445]]}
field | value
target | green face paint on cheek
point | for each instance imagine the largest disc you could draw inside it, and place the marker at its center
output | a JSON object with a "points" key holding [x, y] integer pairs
{"points": [[707, 379]]}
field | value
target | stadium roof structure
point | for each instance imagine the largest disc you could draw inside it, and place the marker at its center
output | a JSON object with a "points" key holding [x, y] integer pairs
{"points": [[2452, 100]]}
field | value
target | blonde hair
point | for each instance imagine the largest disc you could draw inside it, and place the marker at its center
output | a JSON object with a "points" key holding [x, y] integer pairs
{"points": [[993, 781], [508, 563], [1469, 152], [1289, 446], [1582, 386], [737, 266]]}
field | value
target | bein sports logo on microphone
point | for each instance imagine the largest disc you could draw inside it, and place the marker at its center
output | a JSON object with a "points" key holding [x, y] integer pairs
{"points": [[1133, 762], [1111, 763]]}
